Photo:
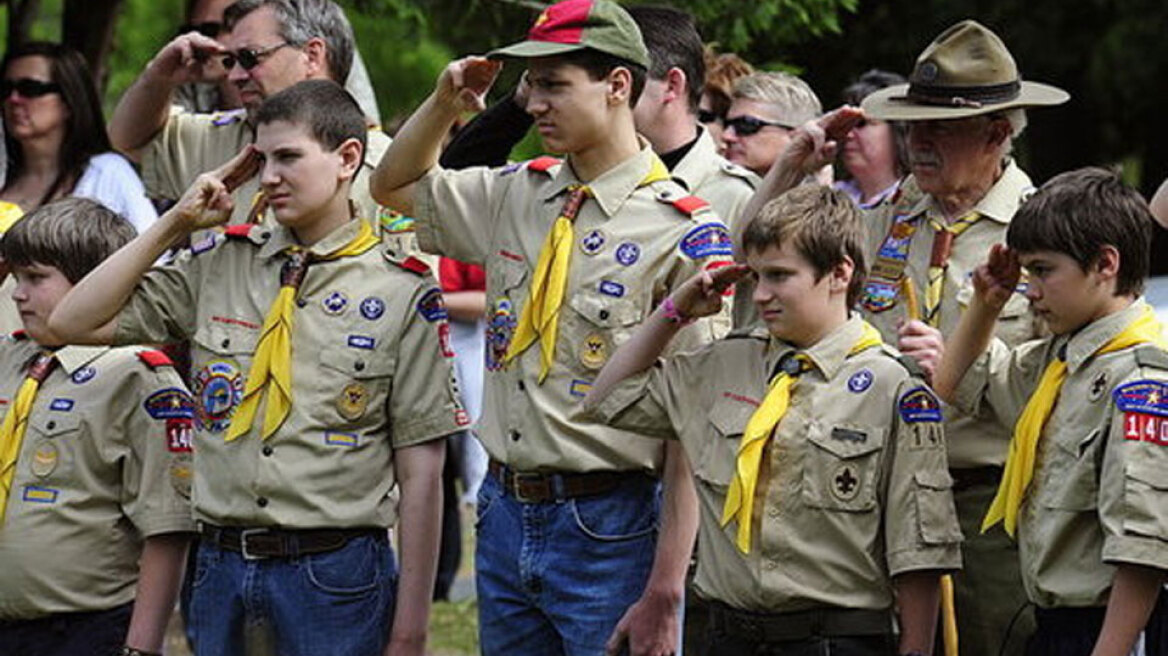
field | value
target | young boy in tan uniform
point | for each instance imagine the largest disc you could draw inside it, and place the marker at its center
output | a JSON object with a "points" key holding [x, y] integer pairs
{"points": [[322, 392], [818, 452], [95, 459], [1083, 490]]}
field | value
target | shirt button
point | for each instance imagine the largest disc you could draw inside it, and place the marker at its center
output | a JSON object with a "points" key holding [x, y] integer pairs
{"points": [[225, 343], [515, 435], [359, 366], [262, 502], [774, 512], [51, 425], [301, 302], [267, 450], [603, 315], [522, 386], [769, 564]]}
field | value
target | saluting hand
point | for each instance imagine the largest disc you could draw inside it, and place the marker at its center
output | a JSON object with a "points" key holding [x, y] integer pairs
{"points": [[188, 58], [815, 143], [996, 279], [464, 83], [701, 295], [208, 203]]}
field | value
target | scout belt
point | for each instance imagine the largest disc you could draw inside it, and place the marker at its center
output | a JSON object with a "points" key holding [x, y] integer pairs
{"points": [[535, 487], [825, 622], [256, 543]]}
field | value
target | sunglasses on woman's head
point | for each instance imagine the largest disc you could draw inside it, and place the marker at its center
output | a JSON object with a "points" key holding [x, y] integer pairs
{"points": [[748, 125], [28, 87]]}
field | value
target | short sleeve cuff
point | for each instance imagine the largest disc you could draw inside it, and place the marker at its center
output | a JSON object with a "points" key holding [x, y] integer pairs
{"points": [[426, 429], [170, 522], [945, 557], [1133, 550]]}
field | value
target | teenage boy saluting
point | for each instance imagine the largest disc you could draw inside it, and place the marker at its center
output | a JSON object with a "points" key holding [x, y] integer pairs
{"points": [[1083, 490], [577, 253], [321, 390], [818, 452]]}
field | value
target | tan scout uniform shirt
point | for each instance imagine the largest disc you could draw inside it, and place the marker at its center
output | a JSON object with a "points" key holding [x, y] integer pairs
{"points": [[629, 253], [855, 494], [105, 463], [368, 376], [1099, 495], [974, 441], [192, 144], [725, 186]]}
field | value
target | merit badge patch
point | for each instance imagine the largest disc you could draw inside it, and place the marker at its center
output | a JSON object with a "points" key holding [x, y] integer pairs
{"points": [[845, 483], [861, 381], [83, 375], [706, 240], [594, 351], [170, 403], [40, 494], [431, 307], [879, 295], [362, 342], [61, 405], [372, 308], [335, 303], [1145, 411], [919, 405], [218, 387], [180, 435], [393, 222], [592, 243], [44, 459], [500, 327], [610, 288], [628, 253], [352, 401]]}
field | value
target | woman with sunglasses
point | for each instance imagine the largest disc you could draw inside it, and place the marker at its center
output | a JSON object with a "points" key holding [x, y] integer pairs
{"points": [[56, 140]]}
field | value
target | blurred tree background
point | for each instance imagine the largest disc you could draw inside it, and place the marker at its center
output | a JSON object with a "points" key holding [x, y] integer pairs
{"points": [[1107, 53]]}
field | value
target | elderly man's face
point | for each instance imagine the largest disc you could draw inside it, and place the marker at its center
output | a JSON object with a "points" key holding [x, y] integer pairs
{"points": [[953, 155]]}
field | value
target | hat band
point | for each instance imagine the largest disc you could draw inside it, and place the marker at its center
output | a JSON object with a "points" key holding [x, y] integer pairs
{"points": [[973, 97]]}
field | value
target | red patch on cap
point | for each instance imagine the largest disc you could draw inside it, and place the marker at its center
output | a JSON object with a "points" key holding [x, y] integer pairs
{"points": [[562, 22]]}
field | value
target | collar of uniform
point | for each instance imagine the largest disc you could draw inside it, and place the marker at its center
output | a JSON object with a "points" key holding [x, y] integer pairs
{"points": [[1083, 344], [611, 188], [828, 354], [689, 170], [376, 142], [1002, 200], [283, 238], [72, 358]]}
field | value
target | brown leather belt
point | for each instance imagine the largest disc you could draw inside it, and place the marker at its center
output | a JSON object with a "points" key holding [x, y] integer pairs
{"points": [[257, 543], [967, 477], [536, 487], [800, 625]]}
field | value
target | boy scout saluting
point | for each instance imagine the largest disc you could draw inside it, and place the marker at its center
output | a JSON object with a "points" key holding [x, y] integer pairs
{"points": [[95, 458], [576, 255], [818, 453], [1084, 488], [345, 351]]}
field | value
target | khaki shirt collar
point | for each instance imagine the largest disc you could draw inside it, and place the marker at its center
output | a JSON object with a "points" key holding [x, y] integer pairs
{"points": [[828, 354], [1083, 344], [283, 238], [72, 358], [689, 171], [611, 188], [1001, 201]]}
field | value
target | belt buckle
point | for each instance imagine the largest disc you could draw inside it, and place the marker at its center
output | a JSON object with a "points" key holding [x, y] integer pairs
{"points": [[243, 536], [516, 481]]}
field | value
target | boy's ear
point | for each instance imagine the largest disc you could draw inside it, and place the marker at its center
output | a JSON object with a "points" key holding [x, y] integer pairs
{"points": [[620, 86], [351, 157], [1107, 262], [841, 276]]}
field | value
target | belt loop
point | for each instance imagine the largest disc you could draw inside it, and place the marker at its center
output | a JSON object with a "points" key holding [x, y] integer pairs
{"points": [[557, 482]]}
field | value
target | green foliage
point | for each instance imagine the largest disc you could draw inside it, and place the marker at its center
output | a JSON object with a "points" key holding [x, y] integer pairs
{"points": [[764, 30], [143, 27]]}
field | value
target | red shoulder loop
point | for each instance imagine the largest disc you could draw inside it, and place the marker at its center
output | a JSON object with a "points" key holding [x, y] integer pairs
{"points": [[690, 204], [19, 335], [155, 359], [543, 164], [240, 231], [412, 263]]}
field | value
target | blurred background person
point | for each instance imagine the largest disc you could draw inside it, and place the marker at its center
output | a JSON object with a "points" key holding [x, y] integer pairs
{"points": [[874, 158], [722, 71], [764, 109]]}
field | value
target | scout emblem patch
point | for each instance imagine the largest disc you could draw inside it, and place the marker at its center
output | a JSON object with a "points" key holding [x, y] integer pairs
{"points": [[431, 307], [372, 308], [1098, 386], [919, 405], [352, 401], [1145, 411], [861, 381], [44, 459], [845, 484], [883, 285], [628, 253], [594, 351], [592, 242], [335, 303], [499, 329], [218, 386], [706, 240]]}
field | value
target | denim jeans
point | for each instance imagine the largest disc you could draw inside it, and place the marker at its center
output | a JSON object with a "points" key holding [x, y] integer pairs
{"points": [[98, 633], [338, 603], [554, 578]]}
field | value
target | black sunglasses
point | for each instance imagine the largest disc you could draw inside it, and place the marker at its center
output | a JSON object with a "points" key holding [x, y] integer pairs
{"points": [[249, 58], [209, 29], [28, 87], [748, 125], [707, 116]]}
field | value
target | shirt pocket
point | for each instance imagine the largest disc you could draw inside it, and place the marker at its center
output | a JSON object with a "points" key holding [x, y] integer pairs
{"points": [[841, 468], [1070, 481], [936, 512], [221, 356], [53, 439], [1145, 494], [354, 383], [717, 455], [602, 324]]}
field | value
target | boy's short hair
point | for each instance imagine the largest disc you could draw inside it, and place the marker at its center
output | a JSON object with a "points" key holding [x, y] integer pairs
{"points": [[822, 223], [73, 235], [1077, 213], [673, 41], [329, 112], [599, 64]]}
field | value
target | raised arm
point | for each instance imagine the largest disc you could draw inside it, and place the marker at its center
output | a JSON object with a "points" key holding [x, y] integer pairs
{"points": [[86, 314], [145, 106], [415, 149]]}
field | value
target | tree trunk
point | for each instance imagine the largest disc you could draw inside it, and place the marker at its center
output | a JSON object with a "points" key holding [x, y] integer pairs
{"points": [[88, 26], [20, 16]]}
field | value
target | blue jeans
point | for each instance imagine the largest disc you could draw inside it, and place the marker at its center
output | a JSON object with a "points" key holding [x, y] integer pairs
{"points": [[554, 578], [338, 603]]}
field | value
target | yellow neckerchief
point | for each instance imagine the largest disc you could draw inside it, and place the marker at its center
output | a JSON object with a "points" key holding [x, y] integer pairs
{"points": [[16, 421], [939, 263], [740, 498], [272, 362], [1024, 446], [9, 213], [541, 315]]}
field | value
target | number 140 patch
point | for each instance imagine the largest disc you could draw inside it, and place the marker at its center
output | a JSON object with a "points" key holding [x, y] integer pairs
{"points": [[1145, 411]]}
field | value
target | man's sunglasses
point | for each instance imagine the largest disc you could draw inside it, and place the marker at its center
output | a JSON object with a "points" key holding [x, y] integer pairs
{"points": [[249, 58], [28, 87], [748, 125], [707, 116]]}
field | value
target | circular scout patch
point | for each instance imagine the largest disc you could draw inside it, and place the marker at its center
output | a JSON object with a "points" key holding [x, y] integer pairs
{"points": [[861, 381], [83, 375], [335, 303], [592, 242], [218, 388], [372, 308], [44, 459], [498, 333], [594, 351], [352, 401], [845, 483], [180, 474], [628, 253]]}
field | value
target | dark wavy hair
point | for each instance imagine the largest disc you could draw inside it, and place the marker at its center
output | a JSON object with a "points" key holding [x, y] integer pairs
{"points": [[85, 134]]}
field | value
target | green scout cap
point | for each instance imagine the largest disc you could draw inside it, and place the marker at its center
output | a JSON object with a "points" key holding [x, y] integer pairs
{"points": [[966, 71], [572, 25]]}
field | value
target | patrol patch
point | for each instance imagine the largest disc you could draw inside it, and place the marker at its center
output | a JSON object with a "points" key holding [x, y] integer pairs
{"points": [[83, 375], [1145, 411], [218, 387], [610, 288], [40, 494], [340, 439], [592, 243], [431, 307], [706, 240], [845, 483], [372, 308], [628, 253], [579, 387], [861, 381], [879, 295], [392, 222], [179, 435], [362, 342], [593, 351], [61, 405], [500, 327], [919, 405], [335, 303], [170, 403], [352, 401], [44, 459]]}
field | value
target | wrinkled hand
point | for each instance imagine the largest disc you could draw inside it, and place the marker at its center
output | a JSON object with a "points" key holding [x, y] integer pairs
{"points": [[701, 295], [464, 83], [996, 279], [648, 628], [208, 203], [189, 58], [815, 143], [923, 343]]}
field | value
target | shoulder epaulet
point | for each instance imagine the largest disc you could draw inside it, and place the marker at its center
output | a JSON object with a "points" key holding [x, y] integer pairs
{"points": [[19, 335], [740, 172], [543, 164], [753, 331], [911, 366], [408, 262], [240, 231], [256, 234], [1150, 355], [155, 359], [689, 205]]}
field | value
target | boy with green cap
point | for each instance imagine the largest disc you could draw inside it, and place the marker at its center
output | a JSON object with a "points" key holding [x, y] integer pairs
{"points": [[577, 253]]}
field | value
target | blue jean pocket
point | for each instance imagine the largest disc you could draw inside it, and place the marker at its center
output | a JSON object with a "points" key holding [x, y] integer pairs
{"points": [[356, 568], [629, 513]]}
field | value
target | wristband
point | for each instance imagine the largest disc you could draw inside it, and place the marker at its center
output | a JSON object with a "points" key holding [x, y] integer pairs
{"points": [[669, 311], [131, 651]]}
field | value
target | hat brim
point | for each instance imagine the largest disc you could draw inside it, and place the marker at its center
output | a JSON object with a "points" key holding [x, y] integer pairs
{"points": [[891, 104], [531, 49]]}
